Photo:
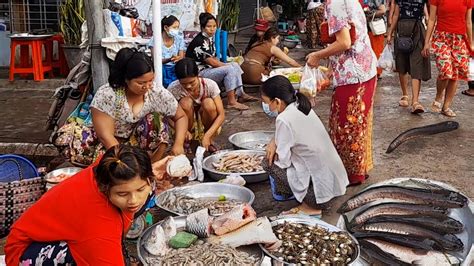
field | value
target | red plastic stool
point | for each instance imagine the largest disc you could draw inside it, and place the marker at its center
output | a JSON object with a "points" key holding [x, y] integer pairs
{"points": [[59, 63], [36, 67]]}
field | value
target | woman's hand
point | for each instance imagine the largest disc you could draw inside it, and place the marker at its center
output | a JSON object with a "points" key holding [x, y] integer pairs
{"points": [[271, 151], [426, 50], [189, 136], [177, 150], [176, 58], [389, 38], [206, 142], [159, 167], [313, 59]]}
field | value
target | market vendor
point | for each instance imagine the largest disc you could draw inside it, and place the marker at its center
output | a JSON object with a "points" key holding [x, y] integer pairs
{"points": [[301, 158], [200, 99], [132, 109], [261, 26], [172, 47], [84, 219], [260, 55], [202, 50]]}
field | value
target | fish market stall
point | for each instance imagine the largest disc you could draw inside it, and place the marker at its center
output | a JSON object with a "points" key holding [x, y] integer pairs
{"points": [[408, 220]]}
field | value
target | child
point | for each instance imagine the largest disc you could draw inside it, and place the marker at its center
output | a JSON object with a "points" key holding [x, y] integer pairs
{"points": [[301, 158]]}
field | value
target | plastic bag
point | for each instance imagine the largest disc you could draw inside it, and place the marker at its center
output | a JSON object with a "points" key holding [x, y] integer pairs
{"points": [[308, 84], [386, 60], [323, 80], [198, 173], [471, 69], [233, 179]]}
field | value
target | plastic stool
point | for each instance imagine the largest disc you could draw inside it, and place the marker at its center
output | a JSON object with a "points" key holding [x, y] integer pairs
{"points": [[59, 63], [36, 68]]}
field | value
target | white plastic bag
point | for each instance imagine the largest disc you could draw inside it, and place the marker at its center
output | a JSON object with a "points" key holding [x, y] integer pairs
{"points": [[386, 60], [471, 69], [308, 84], [198, 173], [233, 179]]}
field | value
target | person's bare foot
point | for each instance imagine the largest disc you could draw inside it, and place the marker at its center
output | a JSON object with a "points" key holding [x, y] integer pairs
{"points": [[238, 106], [303, 209], [247, 98]]}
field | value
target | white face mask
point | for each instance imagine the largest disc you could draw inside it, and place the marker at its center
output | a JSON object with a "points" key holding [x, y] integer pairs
{"points": [[267, 111], [173, 33]]}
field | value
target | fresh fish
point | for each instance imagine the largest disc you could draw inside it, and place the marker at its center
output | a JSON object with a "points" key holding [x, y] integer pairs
{"points": [[236, 218], [422, 131], [408, 256], [258, 231], [403, 240], [169, 227], [397, 209], [199, 223], [375, 256], [446, 225], [447, 242], [438, 197], [157, 243]]}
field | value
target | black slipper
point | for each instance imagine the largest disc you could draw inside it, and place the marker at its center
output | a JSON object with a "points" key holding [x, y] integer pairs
{"points": [[467, 93]]}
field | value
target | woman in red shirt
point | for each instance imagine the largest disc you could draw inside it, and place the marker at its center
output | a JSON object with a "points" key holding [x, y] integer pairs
{"points": [[451, 43], [84, 219]]}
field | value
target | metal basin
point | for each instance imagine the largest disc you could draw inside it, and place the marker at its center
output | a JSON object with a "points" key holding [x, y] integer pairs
{"points": [[251, 140], [70, 171], [210, 171], [301, 219], [144, 256], [209, 190]]}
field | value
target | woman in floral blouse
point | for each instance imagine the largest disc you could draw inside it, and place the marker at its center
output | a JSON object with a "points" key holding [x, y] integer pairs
{"points": [[355, 80], [130, 108]]}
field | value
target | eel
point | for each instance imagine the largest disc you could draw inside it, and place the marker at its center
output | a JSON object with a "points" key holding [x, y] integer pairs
{"points": [[422, 131]]}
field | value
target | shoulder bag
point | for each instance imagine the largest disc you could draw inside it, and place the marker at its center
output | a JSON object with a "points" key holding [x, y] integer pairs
{"points": [[377, 27], [405, 44]]}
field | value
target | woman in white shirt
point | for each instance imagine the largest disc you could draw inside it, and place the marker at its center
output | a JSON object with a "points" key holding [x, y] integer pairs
{"points": [[301, 158]]}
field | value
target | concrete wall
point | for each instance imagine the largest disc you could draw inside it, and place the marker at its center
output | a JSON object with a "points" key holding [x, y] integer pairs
{"points": [[4, 49]]}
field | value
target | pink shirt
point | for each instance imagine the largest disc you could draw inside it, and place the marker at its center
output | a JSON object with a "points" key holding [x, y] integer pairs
{"points": [[358, 64]]}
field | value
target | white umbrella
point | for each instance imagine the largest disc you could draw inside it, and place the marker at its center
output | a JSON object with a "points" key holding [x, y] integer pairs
{"points": [[157, 41]]}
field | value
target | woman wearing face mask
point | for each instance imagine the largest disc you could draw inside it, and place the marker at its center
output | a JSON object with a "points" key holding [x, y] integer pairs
{"points": [[200, 99], [172, 47], [130, 108], [83, 220], [301, 158], [258, 59], [202, 50]]}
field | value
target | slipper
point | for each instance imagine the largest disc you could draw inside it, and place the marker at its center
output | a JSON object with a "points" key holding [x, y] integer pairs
{"points": [[467, 93], [247, 98], [238, 107], [417, 108], [403, 101], [436, 107], [448, 112], [298, 211]]}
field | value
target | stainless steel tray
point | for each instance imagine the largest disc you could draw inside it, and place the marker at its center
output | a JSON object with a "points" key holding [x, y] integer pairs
{"points": [[143, 255], [303, 219], [209, 190], [251, 140], [464, 215], [209, 170]]}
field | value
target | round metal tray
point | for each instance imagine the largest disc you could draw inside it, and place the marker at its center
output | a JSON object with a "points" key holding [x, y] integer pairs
{"points": [[251, 140], [303, 219], [254, 177], [180, 221], [67, 170], [209, 190], [464, 215]]}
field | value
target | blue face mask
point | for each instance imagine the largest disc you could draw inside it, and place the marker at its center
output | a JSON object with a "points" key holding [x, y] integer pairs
{"points": [[173, 33], [267, 111]]}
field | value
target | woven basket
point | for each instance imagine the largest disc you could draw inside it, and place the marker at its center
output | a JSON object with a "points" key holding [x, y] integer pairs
{"points": [[17, 196]]}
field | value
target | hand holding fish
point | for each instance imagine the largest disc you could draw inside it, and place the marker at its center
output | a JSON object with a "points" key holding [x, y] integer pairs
{"points": [[271, 152]]}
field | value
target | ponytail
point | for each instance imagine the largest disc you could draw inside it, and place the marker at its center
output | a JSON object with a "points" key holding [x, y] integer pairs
{"points": [[129, 64], [304, 105]]}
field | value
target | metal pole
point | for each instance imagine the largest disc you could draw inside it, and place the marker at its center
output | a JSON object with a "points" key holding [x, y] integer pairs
{"points": [[258, 9], [96, 30], [156, 5]]}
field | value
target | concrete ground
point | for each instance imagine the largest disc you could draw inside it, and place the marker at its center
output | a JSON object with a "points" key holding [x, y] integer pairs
{"points": [[446, 157]]}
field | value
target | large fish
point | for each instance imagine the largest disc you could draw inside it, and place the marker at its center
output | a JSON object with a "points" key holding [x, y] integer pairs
{"points": [[157, 242], [236, 218], [446, 225], [448, 242], [403, 240], [375, 256], [409, 256], [258, 231], [397, 209], [422, 131], [434, 197], [199, 223]]}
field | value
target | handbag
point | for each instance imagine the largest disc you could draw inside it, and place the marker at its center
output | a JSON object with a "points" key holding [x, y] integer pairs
{"points": [[377, 27], [328, 39], [405, 44]]}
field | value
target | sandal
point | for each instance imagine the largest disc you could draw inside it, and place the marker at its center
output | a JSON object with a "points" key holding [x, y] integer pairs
{"points": [[467, 93], [403, 101], [436, 107], [298, 211], [417, 108], [238, 106], [448, 112]]}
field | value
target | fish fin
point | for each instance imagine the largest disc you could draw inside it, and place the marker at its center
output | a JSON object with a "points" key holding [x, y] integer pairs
{"points": [[349, 225], [419, 251]]}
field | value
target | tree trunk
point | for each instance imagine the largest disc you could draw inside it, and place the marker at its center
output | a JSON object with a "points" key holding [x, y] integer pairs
{"points": [[96, 31]]}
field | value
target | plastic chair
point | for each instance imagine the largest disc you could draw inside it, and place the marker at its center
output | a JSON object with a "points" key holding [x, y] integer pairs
{"points": [[37, 68], [15, 168]]}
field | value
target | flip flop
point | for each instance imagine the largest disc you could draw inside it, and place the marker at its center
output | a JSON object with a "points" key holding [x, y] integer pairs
{"points": [[247, 98], [467, 93], [417, 108], [298, 211], [238, 107]]}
